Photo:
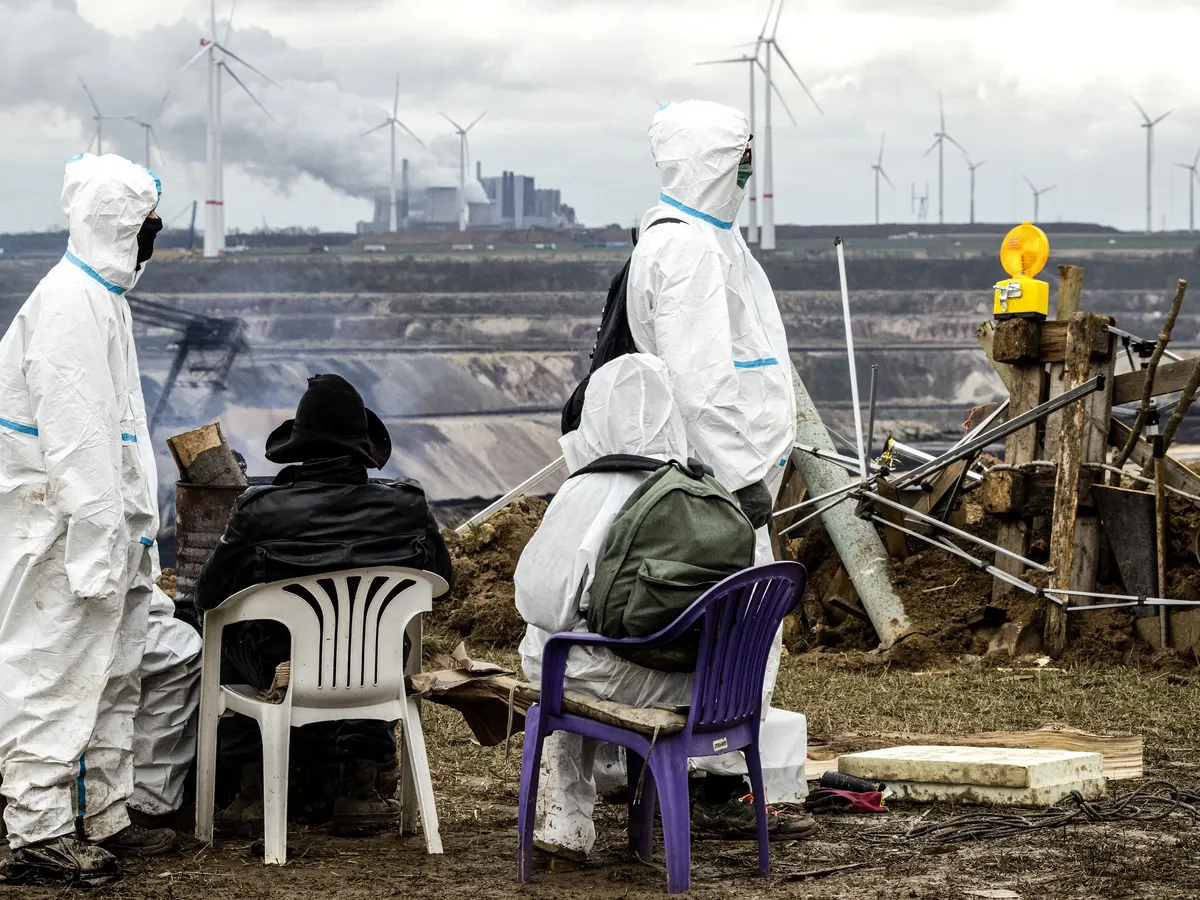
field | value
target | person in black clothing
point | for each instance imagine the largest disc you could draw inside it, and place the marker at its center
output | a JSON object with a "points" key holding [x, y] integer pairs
{"points": [[322, 514]]}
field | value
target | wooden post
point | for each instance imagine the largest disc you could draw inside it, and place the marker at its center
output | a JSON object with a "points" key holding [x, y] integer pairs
{"points": [[1070, 285], [1095, 450], [1075, 441], [1162, 516], [1021, 447]]}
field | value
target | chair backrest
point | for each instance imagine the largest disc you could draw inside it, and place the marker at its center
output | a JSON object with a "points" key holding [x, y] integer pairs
{"points": [[740, 617], [347, 629]]}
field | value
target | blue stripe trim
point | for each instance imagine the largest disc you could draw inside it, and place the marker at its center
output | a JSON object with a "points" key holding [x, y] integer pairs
{"points": [[755, 363], [128, 438], [147, 542], [76, 158], [703, 217], [81, 789], [157, 183], [88, 270], [17, 426]]}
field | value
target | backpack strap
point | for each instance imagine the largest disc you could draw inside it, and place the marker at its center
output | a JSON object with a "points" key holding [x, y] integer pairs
{"points": [[668, 219], [621, 462]]}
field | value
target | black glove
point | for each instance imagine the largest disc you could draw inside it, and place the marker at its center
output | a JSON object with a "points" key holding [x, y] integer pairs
{"points": [[756, 503]]}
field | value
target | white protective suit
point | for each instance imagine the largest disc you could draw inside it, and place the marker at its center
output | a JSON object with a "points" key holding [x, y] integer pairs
{"points": [[700, 302], [78, 516]]}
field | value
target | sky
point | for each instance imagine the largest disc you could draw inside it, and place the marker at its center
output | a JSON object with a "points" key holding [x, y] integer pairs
{"points": [[1037, 88]]}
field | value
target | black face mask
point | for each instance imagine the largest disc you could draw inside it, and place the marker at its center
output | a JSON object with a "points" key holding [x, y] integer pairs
{"points": [[150, 228]]}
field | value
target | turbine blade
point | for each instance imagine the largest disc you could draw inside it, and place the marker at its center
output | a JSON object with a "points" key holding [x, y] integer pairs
{"points": [[941, 111], [457, 127], [778, 15], [881, 137], [732, 59], [257, 72], [154, 142], [934, 145], [1047, 189], [232, 74], [1030, 183], [792, 68], [1196, 161], [396, 102], [476, 122], [229, 23], [385, 124], [175, 78], [91, 99], [767, 20], [410, 133], [779, 94], [980, 163], [1139, 107], [956, 144], [885, 178], [1160, 118]]}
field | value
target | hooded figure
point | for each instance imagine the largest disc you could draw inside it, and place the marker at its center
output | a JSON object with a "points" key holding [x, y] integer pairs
{"points": [[700, 302], [628, 408], [78, 518]]}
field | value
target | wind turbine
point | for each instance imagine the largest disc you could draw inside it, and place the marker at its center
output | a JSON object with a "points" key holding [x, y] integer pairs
{"points": [[971, 167], [99, 118], [878, 167], [939, 143], [1193, 177], [770, 42], [392, 123], [1149, 124], [148, 131], [462, 166], [218, 61], [1037, 195]]}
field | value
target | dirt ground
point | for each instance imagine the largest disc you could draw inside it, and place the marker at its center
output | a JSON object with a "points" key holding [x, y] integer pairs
{"points": [[476, 791]]}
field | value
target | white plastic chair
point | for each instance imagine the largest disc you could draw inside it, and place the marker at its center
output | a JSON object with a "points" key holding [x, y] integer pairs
{"points": [[347, 663]]}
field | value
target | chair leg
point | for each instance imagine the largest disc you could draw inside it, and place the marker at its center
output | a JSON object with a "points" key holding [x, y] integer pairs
{"points": [[754, 767], [206, 751], [531, 762], [641, 812], [275, 725], [416, 765], [670, 776]]}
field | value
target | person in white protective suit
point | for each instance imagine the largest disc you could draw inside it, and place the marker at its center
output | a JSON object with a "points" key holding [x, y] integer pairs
{"points": [[628, 408], [700, 302], [81, 623]]}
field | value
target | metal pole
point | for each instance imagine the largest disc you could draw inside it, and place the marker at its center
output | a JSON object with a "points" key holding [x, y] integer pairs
{"points": [[752, 227], [767, 236], [534, 479], [858, 429], [871, 407], [844, 489]]}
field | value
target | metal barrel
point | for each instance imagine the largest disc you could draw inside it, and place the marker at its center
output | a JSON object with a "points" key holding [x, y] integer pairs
{"points": [[200, 517]]}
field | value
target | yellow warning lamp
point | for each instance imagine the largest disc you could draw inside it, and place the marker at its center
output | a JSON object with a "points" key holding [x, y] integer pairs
{"points": [[1021, 296]]}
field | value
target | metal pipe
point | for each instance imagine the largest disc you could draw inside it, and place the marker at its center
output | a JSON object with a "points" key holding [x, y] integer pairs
{"points": [[492, 509], [874, 379], [1195, 498], [854, 485], [824, 509], [927, 457], [930, 520], [1120, 332], [1014, 424], [991, 417], [858, 427], [848, 462]]}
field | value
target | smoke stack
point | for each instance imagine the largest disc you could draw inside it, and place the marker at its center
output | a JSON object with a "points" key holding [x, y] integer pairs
{"points": [[404, 191]]}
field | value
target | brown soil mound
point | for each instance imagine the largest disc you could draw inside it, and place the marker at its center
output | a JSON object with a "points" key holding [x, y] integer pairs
{"points": [[167, 582], [482, 606]]}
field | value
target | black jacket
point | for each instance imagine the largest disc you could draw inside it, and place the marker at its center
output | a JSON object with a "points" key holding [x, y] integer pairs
{"points": [[322, 517]]}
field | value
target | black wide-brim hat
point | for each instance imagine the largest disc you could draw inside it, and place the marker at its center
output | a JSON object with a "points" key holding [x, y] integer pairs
{"points": [[331, 420]]}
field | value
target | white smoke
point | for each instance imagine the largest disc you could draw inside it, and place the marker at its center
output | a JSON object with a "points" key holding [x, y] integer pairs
{"points": [[317, 127]]}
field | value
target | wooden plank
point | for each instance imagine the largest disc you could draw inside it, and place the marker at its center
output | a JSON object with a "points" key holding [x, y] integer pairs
{"points": [[1017, 342], [1066, 494], [1020, 447], [939, 487], [1003, 492], [1098, 407], [1127, 388], [1054, 343], [1162, 522], [1122, 754], [895, 541], [1177, 475], [985, 334], [1070, 284]]}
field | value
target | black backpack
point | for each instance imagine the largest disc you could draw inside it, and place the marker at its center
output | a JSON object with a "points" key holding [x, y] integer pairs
{"points": [[613, 338]]}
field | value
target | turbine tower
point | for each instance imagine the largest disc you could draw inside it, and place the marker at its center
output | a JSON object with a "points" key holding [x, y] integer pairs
{"points": [[462, 167], [392, 123], [219, 56], [1193, 177], [770, 42], [1037, 196], [939, 143], [1149, 124], [150, 136], [971, 167], [99, 118], [878, 168]]}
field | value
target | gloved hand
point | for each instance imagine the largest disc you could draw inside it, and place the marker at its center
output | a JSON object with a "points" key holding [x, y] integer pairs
{"points": [[756, 503]]}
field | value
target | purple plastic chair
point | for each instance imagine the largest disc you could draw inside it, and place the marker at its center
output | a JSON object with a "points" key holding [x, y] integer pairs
{"points": [[738, 620]]}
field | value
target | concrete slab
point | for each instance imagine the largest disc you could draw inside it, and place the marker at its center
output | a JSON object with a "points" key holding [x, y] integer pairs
{"points": [[987, 775]]}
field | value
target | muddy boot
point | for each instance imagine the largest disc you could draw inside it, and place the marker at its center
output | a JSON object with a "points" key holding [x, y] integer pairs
{"points": [[61, 861], [135, 841], [363, 806], [244, 816]]}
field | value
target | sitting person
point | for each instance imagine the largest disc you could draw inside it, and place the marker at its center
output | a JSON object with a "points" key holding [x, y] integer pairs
{"points": [[322, 515], [628, 409]]}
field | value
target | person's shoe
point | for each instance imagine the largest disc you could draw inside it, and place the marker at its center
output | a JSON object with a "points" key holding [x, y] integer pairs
{"points": [[61, 861], [565, 858], [735, 820], [134, 840], [360, 808], [244, 816]]}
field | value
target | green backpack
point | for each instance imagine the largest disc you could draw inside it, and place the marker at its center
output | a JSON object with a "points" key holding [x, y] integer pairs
{"points": [[676, 536]]}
